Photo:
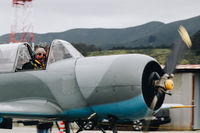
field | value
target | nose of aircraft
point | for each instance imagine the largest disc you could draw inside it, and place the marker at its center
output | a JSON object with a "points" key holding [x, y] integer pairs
{"points": [[152, 73]]}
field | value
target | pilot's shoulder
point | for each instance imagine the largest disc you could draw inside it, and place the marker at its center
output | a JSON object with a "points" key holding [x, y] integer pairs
{"points": [[28, 65]]}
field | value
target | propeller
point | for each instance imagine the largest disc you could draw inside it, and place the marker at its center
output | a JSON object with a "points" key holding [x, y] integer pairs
{"points": [[178, 50], [164, 84]]}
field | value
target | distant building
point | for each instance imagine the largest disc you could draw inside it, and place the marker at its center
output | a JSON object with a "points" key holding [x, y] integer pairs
{"points": [[186, 91]]}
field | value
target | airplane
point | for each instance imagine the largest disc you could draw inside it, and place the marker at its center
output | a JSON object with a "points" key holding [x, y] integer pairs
{"points": [[74, 88]]}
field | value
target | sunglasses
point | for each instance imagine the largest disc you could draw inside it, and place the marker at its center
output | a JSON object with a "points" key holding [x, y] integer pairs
{"points": [[41, 54]]}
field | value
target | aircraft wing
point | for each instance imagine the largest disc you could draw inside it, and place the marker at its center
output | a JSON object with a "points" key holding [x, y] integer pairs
{"points": [[174, 105], [29, 108]]}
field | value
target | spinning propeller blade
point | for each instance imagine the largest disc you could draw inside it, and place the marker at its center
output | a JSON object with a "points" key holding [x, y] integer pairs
{"points": [[165, 82], [175, 56]]}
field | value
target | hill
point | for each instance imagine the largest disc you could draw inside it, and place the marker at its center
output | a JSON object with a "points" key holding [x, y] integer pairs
{"points": [[166, 34], [152, 34]]}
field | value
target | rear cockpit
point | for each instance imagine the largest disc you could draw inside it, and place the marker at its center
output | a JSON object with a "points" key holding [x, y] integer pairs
{"points": [[14, 56]]}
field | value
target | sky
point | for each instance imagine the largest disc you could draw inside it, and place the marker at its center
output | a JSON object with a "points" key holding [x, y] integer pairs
{"points": [[61, 15]]}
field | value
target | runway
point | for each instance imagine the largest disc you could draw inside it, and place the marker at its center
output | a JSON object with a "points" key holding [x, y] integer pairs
{"points": [[55, 130]]}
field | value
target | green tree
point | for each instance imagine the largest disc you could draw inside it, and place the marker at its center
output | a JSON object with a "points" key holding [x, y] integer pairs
{"points": [[84, 48], [196, 42]]}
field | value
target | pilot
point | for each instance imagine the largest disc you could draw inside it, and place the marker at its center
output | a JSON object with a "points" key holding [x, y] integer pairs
{"points": [[38, 62]]}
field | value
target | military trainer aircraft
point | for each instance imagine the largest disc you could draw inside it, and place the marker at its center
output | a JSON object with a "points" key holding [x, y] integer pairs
{"points": [[82, 89]]}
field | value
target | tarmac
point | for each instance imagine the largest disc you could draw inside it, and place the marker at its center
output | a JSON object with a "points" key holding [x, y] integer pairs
{"points": [[55, 130]]}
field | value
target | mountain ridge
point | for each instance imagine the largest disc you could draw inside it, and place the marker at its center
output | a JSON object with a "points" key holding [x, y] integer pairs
{"points": [[153, 34]]}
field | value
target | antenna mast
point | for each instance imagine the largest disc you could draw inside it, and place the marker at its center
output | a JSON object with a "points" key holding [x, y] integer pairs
{"points": [[22, 27]]}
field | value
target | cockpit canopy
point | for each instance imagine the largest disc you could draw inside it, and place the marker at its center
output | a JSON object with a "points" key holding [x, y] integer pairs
{"points": [[13, 56], [7, 57]]}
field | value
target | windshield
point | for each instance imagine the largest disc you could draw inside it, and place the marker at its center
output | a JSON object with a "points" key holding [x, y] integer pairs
{"points": [[62, 50], [58, 52]]}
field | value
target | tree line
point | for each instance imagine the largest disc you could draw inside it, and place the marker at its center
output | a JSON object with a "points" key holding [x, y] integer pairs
{"points": [[196, 43]]}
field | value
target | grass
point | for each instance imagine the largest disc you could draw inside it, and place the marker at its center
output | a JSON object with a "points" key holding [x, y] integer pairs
{"points": [[161, 55]]}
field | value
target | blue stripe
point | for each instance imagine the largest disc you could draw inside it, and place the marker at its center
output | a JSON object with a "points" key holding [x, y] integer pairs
{"points": [[134, 108]]}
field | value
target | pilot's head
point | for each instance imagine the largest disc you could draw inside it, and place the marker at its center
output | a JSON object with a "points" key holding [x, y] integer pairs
{"points": [[40, 55]]}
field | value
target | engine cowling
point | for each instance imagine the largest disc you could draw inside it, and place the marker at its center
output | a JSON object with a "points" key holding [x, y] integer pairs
{"points": [[117, 85]]}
